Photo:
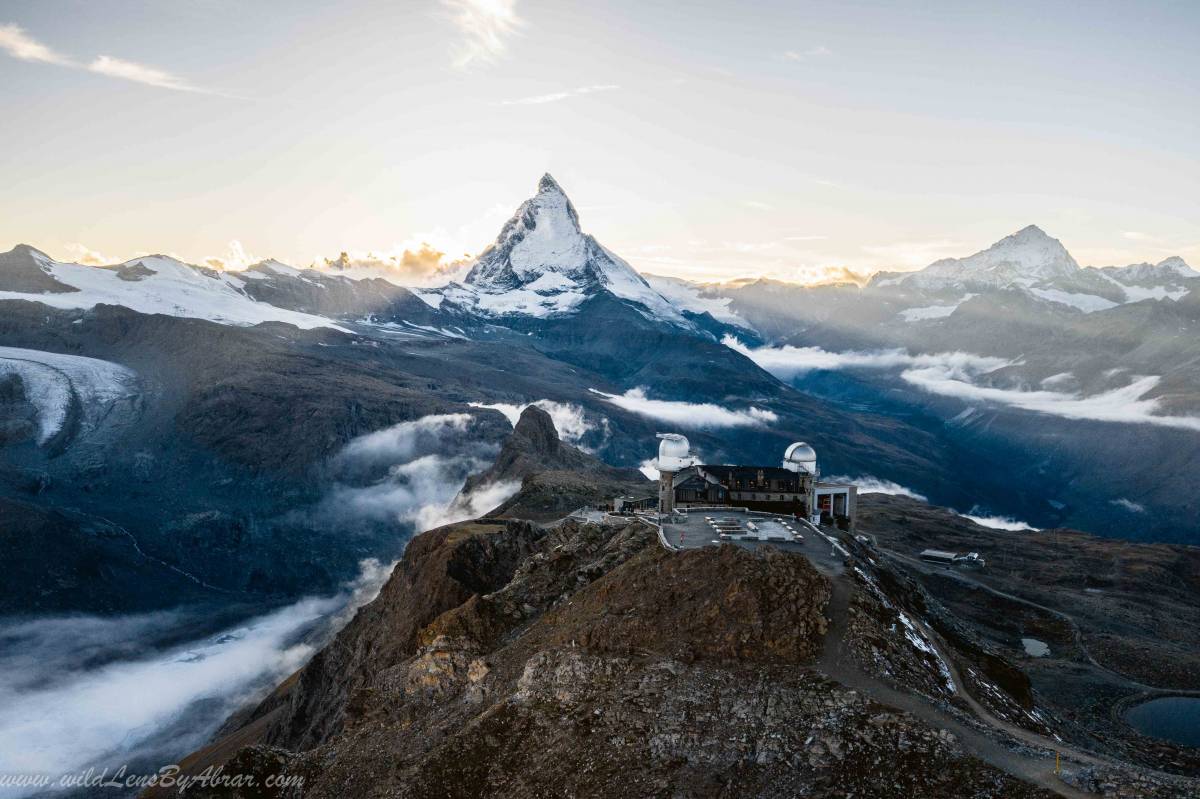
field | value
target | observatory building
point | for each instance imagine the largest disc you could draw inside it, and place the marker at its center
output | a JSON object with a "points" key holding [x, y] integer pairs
{"points": [[793, 488]]}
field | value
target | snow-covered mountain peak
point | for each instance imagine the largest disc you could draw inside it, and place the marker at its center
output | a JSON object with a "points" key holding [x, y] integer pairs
{"points": [[1178, 266], [1025, 258], [548, 183], [1027, 254], [543, 264]]}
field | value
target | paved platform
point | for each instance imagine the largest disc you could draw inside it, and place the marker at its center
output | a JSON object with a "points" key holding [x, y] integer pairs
{"points": [[712, 527]]}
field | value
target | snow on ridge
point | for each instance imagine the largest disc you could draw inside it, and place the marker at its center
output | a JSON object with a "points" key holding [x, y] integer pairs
{"points": [[174, 289], [688, 296]]}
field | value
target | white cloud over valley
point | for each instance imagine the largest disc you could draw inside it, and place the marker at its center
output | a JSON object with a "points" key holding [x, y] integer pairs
{"points": [[688, 414], [875, 485], [958, 375], [570, 420], [73, 697]]}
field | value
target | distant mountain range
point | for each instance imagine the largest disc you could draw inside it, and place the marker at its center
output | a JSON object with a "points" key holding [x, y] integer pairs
{"points": [[200, 427]]}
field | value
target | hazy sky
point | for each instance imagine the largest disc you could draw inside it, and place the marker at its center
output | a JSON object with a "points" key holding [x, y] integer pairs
{"points": [[701, 139]]}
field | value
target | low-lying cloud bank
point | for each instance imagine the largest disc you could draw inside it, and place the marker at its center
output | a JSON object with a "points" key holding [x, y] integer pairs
{"points": [[875, 485], [958, 375], [570, 420], [1126, 404], [998, 522], [688, 414], [787, 362], [411, 473], [61, 713]]}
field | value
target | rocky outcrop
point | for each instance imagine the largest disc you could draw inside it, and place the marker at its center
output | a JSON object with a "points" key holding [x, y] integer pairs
{"points": [[25, 269], [585, 660], [556, 478]]}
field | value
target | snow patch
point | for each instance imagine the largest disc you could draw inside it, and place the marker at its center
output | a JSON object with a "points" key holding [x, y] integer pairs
{"points": [[932, 311], [1088, 303], [691, 297]]}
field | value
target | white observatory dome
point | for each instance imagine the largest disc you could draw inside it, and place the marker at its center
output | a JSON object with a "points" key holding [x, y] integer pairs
{"points": [[674, 453], [800, 457]]}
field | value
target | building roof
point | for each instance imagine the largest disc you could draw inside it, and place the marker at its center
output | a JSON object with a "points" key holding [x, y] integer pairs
{"points": [[724, 471]]}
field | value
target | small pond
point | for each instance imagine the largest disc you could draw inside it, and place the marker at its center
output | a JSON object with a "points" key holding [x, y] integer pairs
{"points": [[1035, 648], [1172, 718]]}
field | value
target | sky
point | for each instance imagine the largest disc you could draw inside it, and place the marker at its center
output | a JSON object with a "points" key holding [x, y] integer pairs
{"points": [[705, 140]]}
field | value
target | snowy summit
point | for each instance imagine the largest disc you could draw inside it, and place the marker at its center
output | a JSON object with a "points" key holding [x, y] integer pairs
{"points": [[1025, 258], [543, 264]]}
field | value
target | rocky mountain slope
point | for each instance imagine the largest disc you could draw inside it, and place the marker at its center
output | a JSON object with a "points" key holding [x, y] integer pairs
{"points": [[508, 659]]}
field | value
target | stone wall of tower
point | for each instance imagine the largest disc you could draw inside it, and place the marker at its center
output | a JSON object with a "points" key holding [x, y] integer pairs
{"points": [[666, 492]]}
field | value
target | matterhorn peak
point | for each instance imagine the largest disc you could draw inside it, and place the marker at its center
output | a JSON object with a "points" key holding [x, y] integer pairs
{"points": [[543, 264], [548, 183]]}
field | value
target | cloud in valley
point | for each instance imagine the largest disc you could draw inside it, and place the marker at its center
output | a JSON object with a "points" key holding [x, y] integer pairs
{"points": [[648, 468], [874, 485], [998, 522], [788, 361], [411, 474], [569, 419], [1129, 505], [957, 374], [688, 414], [80, 691], [1126, 404]]}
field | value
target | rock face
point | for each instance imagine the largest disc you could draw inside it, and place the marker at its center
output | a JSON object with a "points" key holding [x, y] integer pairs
{"points": [[583, 660], [535, 456], [27, 270]]}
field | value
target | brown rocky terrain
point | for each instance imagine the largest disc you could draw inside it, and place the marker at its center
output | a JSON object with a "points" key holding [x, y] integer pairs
{"points": [[1121, 619], [506, 659]]}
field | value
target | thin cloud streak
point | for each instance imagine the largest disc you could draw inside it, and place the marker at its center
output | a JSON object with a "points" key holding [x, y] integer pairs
{"points": [[15, 41], [141, 73], [20, 45], [820, 51], [554, 97]]}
